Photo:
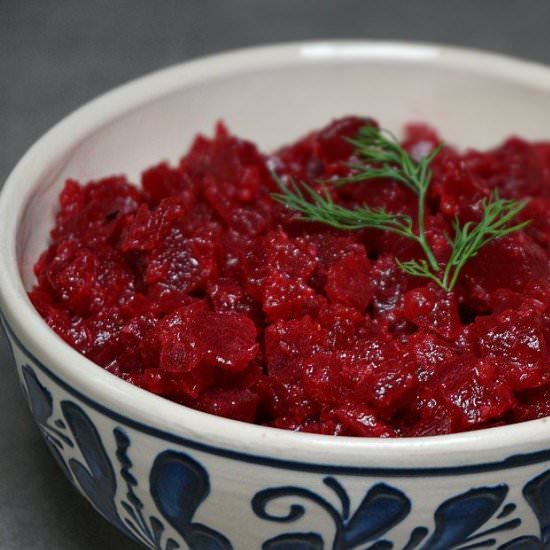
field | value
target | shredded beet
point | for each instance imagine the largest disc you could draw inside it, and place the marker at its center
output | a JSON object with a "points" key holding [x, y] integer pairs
{"points": [[199, 287]]}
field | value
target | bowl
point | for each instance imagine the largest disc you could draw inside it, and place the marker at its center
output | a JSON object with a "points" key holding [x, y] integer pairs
{"points": [[168, 476]]}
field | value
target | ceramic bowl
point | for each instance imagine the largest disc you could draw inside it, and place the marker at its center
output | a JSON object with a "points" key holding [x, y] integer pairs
{"points": [[168, 476]]}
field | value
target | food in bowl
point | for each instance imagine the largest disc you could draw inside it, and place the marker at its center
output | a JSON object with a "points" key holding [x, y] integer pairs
{"points": [[215, 284]]}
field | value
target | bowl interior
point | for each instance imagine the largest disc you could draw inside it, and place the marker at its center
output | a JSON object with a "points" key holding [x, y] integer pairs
{"points": [[277, 95]]}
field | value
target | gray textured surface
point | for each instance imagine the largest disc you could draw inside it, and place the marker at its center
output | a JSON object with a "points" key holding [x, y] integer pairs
{"points": [[57, 54]]}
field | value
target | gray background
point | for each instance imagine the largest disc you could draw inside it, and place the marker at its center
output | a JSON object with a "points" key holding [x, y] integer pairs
{"points": [[57, 54]]}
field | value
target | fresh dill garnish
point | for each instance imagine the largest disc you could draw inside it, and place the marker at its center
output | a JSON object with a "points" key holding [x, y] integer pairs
{"points": [[382, 156]]}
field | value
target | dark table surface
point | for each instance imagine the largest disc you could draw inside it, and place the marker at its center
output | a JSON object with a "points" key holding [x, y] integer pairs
{"points": [[57, 54]]}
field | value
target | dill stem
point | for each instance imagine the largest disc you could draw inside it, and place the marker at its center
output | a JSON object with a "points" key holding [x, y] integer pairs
{"points": [[421, 238]]}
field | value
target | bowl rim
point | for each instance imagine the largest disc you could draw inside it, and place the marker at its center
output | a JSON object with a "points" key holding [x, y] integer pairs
{"points": [[69, 365]]}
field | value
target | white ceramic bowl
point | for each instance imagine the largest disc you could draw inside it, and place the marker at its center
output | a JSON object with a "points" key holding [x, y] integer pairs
{"points": [[167, 475]]}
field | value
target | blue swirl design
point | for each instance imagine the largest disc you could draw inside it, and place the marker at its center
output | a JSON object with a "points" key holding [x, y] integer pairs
{"points": [[149, 532], [537, 494], [41, 405], [458, 520], [382, 508], [178, 483], [95, 476]]}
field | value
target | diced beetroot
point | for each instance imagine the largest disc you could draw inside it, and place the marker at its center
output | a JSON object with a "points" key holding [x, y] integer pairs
{"points": [[276, 271], [149, 228], [348, 281], [362, 422], [183, 263], [95, 212], [458, 191], [516, 168], [515, 340], [285, 298], [433, 310], [194, 336], [324, 380], [330, 142], [532, 404], [161, 181], [536, 212], [428, 353], [378, 375], [510, 262], [77, 277], [102, 344], [390, 284], [71, 275], [287, 343], [203, 289], [227, 295], [344, 325], [230, 403], [310, 157], [181, 387], [140, 335], [472, 391]]}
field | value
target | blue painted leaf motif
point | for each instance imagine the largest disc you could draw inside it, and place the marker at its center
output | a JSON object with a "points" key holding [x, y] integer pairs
{"points": [[461, 516], [97, 479], [41, 404], [417, 536], [179, 484], [382, 508], [295, 541], [40, 398], [537, 494]]}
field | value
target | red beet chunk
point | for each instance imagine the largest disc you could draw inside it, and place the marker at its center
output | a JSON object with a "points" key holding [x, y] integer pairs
{"points": [[429, 353], [77, 277], [515, 340], [472, 392], [182, 263], [148, 228], [193, 336], [381, 375], [348, 280], [516, 168], [362, 422], [95, 212], [532, 404], [276, 272], [344, 325], [433, 310], [239, 404], [510, 262], [318, 153], [456, 189], [162, 182], [288, 343]]}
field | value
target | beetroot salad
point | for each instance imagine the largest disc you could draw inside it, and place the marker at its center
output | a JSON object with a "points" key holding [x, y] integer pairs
{"points": [[347, 284]]}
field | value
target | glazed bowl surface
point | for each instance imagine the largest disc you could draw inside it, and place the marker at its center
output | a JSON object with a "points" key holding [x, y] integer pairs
{"points": [[169, 476]]}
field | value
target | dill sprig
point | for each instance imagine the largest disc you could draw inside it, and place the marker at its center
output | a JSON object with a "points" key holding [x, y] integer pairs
{"points": [[384, 157]]}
